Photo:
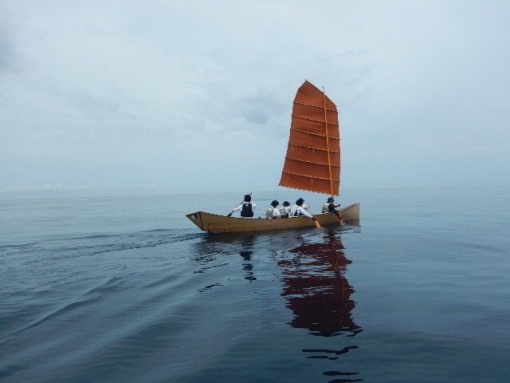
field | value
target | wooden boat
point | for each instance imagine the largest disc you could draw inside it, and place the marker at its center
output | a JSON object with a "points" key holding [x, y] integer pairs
{"points": [[312, 163], [214, 223]]}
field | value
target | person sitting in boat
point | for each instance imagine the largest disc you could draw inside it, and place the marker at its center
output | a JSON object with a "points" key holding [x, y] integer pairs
{"points": [[299, 209], [330, 207], [303, 206], [285, 210], [273, 211], [246, 207]]}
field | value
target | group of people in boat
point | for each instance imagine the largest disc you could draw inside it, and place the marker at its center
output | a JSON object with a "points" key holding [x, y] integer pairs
{"points": [[274, 211]]}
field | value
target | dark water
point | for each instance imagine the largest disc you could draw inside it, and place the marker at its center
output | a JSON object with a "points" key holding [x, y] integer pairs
{"points": [[126, 289]]}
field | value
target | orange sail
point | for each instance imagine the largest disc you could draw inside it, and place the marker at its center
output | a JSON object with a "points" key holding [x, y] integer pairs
{"points": [[312, 162]]}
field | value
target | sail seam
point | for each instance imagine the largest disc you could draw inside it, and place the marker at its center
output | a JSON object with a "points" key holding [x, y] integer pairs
{"points": [[315, 148], [309, 119], [314, 135], [315, 106], [308, 162], [305, 176], [311, 163], [298, 188]]}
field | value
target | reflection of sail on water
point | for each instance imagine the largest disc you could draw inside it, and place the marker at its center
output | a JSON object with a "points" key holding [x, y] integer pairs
{"points": [[316, 289], [319, 295]]}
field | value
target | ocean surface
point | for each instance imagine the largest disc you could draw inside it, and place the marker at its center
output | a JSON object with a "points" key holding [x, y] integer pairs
{"points": [[124, 288]]}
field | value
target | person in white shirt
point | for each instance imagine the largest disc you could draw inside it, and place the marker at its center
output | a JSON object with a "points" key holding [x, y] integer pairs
{"points": [[273, 211], [294, 208], [299, 211], [286, 210]]}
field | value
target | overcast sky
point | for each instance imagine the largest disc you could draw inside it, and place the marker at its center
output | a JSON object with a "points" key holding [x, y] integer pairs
{"points": [[194, 96]]}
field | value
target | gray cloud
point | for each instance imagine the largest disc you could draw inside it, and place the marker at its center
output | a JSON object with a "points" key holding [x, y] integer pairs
{"points": [[118, 93], [8, 58]]}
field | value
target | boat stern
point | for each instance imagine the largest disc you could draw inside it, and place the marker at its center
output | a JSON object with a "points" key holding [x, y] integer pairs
{"points": [[351, 213]]}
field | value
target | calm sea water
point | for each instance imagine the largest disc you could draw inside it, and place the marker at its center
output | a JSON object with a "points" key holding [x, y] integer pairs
{"points": [[125, 289]]}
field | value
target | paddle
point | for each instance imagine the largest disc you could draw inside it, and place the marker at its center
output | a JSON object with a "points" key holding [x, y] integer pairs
{"points": [[230, 214], [317, 224], [339, 217]]}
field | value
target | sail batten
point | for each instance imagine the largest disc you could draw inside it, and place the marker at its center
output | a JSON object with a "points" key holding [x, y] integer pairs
{"points": [[312, 161]]}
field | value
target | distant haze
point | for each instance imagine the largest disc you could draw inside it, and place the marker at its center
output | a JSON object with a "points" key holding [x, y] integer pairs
{"points": [[190, 96]]}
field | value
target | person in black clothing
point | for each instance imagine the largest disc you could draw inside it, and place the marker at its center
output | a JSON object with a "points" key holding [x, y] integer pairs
{"points": [[246, 207], [331, 208]]}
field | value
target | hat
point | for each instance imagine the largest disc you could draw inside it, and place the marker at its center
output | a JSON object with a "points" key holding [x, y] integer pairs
{"points": [[300, 201], [286, 203], [331, 199], [275, 203]]}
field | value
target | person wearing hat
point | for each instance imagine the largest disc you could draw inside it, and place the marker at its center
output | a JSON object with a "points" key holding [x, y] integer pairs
{"points": [[285, 210], [300, 211], [330, 207], [273, 211]]}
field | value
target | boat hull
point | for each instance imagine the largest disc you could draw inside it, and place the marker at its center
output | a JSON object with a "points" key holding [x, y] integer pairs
{"points": [[214, 223]]}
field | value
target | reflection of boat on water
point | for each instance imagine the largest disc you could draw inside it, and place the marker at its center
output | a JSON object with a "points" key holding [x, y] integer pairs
{"points": [[312, 163], [311, 267], [312, 275], [316, 289]]}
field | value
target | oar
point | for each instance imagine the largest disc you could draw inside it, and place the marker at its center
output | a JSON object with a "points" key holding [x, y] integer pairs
{"points": [[232, 212], [317, 224]]}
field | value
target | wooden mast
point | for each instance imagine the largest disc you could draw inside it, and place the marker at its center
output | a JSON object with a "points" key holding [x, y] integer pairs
{"points": [[327, 142]]}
